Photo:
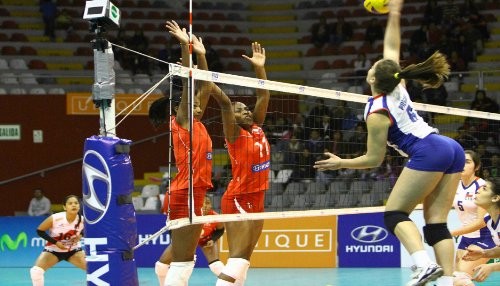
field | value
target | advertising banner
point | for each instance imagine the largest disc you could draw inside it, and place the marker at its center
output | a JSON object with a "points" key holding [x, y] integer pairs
{"points": [[20, 245], [297, 242], [364, 242]]}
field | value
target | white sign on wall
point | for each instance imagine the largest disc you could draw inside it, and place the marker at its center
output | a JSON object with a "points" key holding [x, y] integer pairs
{"points": [[10, 132]]}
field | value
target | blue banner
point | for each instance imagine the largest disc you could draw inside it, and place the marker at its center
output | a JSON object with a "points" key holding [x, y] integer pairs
{"points": [[149, 253], [20, 245], [363, 241]]}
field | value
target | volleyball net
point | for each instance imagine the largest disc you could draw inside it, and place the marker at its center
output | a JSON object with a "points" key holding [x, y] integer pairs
{"points": [[302, 123]]}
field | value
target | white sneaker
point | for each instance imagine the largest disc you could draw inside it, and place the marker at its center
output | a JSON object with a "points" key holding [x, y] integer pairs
{"points": [[421, 276]]}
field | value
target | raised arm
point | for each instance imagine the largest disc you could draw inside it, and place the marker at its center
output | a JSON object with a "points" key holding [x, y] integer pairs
{"points": [[201, 61], [392, 36], [258, 61], [183, 38]]}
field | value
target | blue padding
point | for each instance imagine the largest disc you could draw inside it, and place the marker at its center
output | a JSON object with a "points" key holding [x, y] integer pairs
{"points": [[110, 228]]}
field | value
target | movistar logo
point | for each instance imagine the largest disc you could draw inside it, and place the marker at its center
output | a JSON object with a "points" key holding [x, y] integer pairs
{"points": [[5, 240]]}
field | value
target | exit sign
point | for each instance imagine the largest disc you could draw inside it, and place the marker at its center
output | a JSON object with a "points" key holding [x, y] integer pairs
{"points": [[10, 132]]}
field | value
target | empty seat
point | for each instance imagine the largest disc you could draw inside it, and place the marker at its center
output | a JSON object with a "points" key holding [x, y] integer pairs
{"points": [[56, 90], [138, 203], [135, 90], [3, 64], [37, 91], [8, 78], [27, 50], [27, 78], [283, 176], [18, 64], [142, 79], [3, 91], [9, 50], [37, 64], [152, 204], [18, 91], [150, 190]]}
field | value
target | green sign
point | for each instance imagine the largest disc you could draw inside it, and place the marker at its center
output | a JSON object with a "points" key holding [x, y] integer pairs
{"points": [[10, 132], [6, 241]]}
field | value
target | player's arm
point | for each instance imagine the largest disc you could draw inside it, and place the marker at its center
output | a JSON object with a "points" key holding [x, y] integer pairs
{"points": [[201, 61], [378, 128], [392, 36], [258, 61], [218, 232], [42, 232], [183, 38], [477, 224], [230, 127]]}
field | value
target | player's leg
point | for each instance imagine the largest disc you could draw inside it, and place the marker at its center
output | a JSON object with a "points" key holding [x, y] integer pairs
{"points": [[212, 255], [45, 261], [163, 264], [411, 188], [436, 208], [78, 259], [184, 242]]}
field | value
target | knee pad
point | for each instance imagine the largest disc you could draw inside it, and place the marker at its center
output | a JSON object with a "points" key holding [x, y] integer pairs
{"points": [[36, 273], [179, 273], [161, 268], [435, 232], [216, 267], [392, 218]]}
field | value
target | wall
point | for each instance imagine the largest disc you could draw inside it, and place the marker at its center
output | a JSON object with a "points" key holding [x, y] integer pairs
{"points": [[64, 136]]}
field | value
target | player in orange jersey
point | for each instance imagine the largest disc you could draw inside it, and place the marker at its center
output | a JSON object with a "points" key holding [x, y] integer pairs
{"points": [[250, 160]]}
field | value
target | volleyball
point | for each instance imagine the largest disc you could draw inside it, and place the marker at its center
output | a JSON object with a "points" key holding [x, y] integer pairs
{"points": [[377, 6]]}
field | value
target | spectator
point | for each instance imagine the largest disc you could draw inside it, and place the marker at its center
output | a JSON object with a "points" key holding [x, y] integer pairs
{"points": [[465, 139], [39, 204], [213, 59], [292, 150], [436, 96], [314, 119], [315, 144], [484, 103], [320, 32], [451, 13], [361, 66], [139, 43], [433, 12], [170, 53], [374, 31], [357, 142], [340, 31], [49, 14], [303, 170], [494, 167], [457, 63], [418, 37]]}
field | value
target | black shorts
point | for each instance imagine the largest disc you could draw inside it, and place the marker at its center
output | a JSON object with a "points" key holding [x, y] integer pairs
{"points": [[64, 255]]}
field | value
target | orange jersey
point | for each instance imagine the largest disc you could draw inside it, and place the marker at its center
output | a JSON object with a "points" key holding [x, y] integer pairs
{"points": [[201, 156], [207, 230], [250, 161]]}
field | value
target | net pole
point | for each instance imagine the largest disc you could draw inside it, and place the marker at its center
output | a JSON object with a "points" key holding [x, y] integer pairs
{"points": [[190, 114]]}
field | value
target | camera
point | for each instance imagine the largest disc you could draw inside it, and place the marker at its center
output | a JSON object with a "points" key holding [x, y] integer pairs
{"points": [[103, 13]]}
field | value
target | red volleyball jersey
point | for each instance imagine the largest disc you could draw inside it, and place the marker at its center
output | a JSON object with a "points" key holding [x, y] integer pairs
{"points": [[250, 161], [201, 156], [207, 230]]}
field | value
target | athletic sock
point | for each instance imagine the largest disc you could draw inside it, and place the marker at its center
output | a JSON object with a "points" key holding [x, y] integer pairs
{"points": [[421, 258], [216, 267]]}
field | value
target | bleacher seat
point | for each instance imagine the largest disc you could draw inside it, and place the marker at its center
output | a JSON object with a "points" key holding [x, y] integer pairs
{"points": [[9, 50], [27, 78], [4, 65], [18, 64], [56, 90], [8, 78], [150, 190], [37, 91], [18, 91], [3, 91]]}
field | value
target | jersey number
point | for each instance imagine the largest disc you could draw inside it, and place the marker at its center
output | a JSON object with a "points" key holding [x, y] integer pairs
{"points": [[412, 114], [460, 206], [263, 144]]}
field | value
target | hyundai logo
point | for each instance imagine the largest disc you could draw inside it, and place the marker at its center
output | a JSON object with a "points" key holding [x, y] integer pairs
{"points": [[96, 186], [369, 233]]}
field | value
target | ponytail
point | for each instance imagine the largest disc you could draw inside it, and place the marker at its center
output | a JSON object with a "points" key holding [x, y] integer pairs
{"points": [[431, 73]]}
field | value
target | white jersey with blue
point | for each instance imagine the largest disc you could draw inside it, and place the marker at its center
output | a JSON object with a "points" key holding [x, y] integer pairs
{"points": [[466, 208], [407, 126], [494, 228]]}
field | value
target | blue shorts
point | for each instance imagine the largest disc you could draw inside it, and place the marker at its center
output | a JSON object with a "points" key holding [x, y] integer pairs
{"points": [[437, 153], [485, 242]]}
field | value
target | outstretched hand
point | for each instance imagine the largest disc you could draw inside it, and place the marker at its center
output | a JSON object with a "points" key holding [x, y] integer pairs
{"points": [[481, 272], [332, 163], [198, 46], [473, 254], [177, 32], [258, 58]]}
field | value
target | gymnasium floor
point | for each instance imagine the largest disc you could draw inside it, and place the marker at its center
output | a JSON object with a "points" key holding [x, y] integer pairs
{"points": [[65, 276]]}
